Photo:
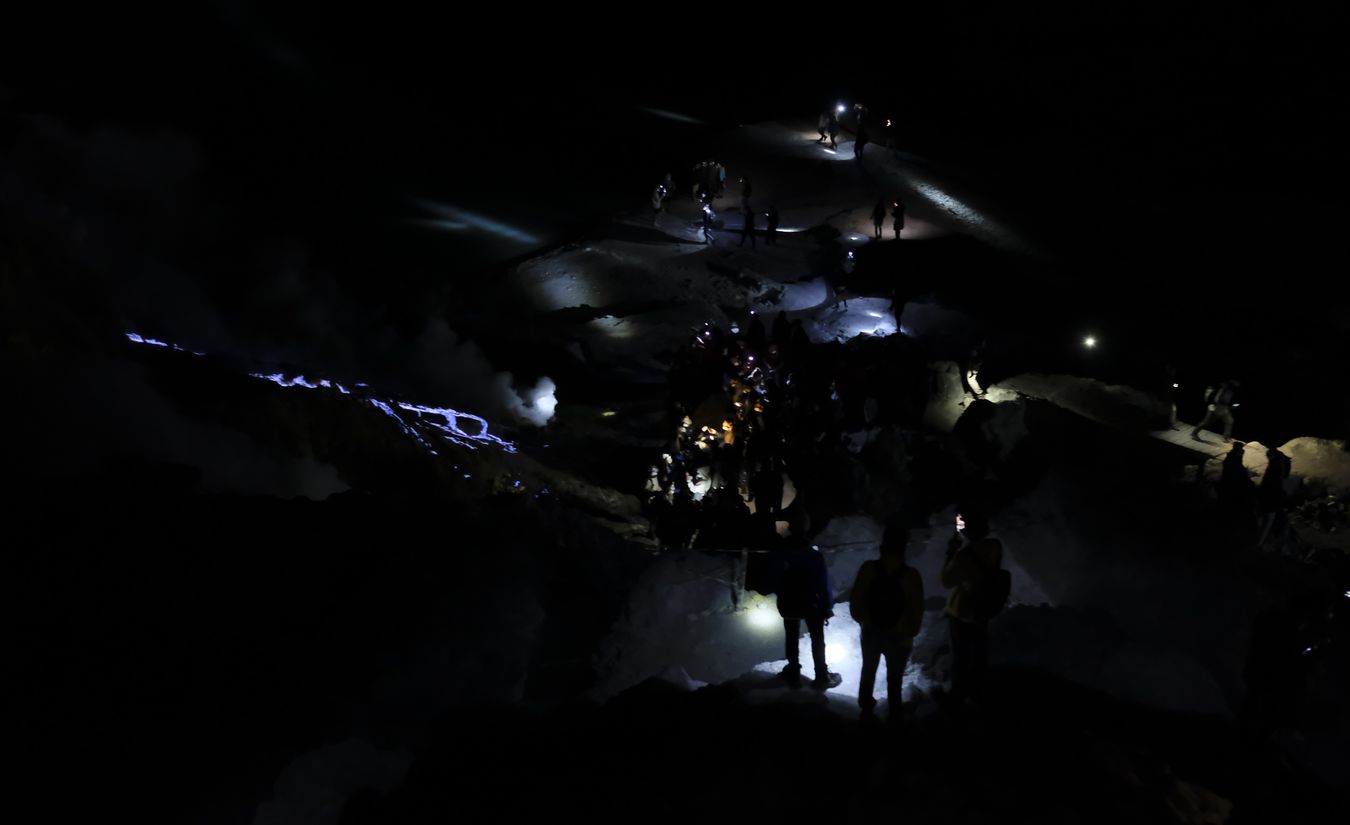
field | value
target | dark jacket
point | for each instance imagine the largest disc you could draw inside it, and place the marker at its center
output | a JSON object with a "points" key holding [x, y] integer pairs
{"points": [[804, 590]]}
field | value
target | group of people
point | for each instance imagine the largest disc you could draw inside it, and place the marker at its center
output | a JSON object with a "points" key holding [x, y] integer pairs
{"points": [[897, 212], [755, 412], [887, 601], [828, 126]]}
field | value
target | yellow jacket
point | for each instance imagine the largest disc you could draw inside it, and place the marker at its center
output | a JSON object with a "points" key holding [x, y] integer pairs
{"points": [[910, 584], [963, 571]]}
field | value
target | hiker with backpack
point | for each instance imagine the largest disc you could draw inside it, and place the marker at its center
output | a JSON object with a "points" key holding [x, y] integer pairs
{"points": [[887, 601], [1220, 400], [979, 589], [804, 594]]}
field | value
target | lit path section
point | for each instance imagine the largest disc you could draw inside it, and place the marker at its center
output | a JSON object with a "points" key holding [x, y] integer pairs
{"points": [[418, 421]]}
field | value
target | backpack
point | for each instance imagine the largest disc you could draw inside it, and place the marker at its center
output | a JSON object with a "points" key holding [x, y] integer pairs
{"points": [[886, 599], [1222, 394], [991, 592]]}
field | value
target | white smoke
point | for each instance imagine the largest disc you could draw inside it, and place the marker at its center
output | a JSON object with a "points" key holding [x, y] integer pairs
{"points": [[534, 405]]}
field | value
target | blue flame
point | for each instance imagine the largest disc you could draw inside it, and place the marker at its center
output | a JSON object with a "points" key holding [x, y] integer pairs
{"points": [[444, 421]]}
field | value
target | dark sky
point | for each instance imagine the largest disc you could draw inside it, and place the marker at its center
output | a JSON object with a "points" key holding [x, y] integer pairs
{"points": [[323, 119]]}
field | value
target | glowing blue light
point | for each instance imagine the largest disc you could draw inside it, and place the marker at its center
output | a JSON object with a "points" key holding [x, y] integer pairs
{"points": [[444, 421], [140, 339]]}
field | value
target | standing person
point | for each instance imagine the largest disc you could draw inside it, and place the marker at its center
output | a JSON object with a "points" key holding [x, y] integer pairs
{"points": [[1221, 401], [1271, 498], [897, 217], [833, 128], [745, 193], [859, 143], [824, 125], [659, 195], [708, 218], [979, 587], [771, 225], [887, 600], [748, 229], [878, 218], [804, 594]]}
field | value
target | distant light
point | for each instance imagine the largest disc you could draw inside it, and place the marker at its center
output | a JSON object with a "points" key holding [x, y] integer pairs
{"points": [[1174, 386], [607, 414], [842, 107], [888, 123], [1347, 594], [1090, 342]]}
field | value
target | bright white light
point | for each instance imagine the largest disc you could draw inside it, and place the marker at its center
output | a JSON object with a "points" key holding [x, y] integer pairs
{"points": [[841, 108], [1090, 342], [763, 617], [1174, 386], [607, 414], [1347, 594]]}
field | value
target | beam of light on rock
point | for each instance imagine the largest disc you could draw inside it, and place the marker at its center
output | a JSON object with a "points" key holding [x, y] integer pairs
{"points": [[669, 115], [473, 220]]}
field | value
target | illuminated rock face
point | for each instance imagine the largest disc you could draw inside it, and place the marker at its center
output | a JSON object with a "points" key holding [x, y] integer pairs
{"points": [[1320, 461]]}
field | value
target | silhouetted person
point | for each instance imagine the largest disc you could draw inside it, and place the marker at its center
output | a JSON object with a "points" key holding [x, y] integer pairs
{"points": [[766, 489], [1237, 493], [804, 594], [707, 223], [969, 367], [748, 229], [859, 143], [974, 575], [878, 218], [897, 218], [745, 193], [1271, 499], [824, 126], [1221, 400], [771, 225], [833, 127], [887, 600]]}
